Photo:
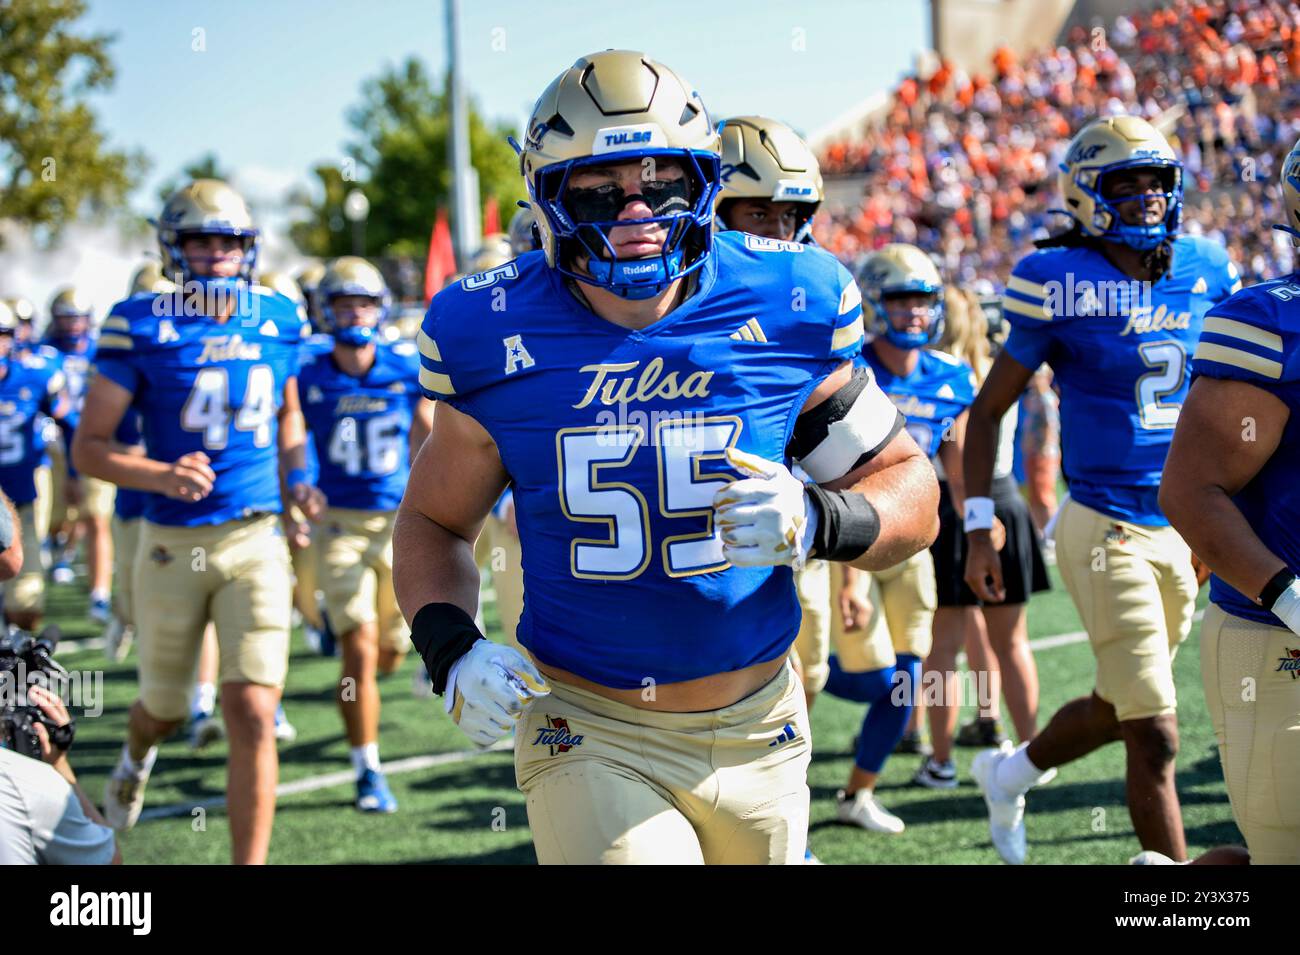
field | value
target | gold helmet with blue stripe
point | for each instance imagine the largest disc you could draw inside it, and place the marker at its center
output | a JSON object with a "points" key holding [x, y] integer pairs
{"points": [[899, 269], [495, 251], [765, 160], [1106, 146], [204, 207], [611, 108], [352, 275], [148, 279], [283, 283], [1289, 183]]}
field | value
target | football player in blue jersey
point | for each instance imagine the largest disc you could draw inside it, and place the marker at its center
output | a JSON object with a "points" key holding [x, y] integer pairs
{"points": [[212, 371], [1115, 306], [1232, 488], [367, 418], [880, 665], [29, 387], [649, 448], [82, 508]]}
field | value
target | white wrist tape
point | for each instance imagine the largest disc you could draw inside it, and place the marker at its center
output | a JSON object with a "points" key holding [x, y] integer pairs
{"points": [[1287, 607], [979, 514]]}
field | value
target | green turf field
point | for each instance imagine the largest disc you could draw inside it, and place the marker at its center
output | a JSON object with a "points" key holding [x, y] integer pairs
{"points": [[466, 810]]}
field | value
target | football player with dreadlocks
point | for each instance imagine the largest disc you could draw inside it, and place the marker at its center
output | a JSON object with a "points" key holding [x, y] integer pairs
{"points": [[650, 444], [367, 419], [212, 371], [1115, 305]]}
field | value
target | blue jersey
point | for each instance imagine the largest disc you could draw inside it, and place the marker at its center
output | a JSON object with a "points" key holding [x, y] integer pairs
{"points": [[313, 345], [75, 358], [204, 385], [361, 427], [931, 398], [615, 442], [1119, 350], [1255, 337], [29, 390]]}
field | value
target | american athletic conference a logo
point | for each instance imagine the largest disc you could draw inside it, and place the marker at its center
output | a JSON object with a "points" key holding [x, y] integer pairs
{"points": [[555, 735], [1289, 663]]}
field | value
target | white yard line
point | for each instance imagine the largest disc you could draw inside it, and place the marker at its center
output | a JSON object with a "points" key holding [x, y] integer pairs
{"points": [[416, 763]]}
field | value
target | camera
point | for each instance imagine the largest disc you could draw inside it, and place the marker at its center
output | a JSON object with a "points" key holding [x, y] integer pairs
{"points": [[21, 655]]}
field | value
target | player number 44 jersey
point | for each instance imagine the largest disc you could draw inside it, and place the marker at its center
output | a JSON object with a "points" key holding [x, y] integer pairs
{"points": [[615, 440], [204, 385]]}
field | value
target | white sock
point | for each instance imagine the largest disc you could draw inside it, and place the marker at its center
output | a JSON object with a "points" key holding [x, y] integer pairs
{"points": [[98, 594], [365, 757], [1017, 774], [145, 765], [205, 698]]}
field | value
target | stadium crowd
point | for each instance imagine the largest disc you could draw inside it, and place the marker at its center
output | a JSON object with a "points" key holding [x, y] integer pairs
{"points": [[964, 165]]}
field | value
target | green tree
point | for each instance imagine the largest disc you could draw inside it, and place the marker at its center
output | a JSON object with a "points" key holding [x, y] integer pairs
{"points": [[205, 167], [399, 160], [55, 158]]}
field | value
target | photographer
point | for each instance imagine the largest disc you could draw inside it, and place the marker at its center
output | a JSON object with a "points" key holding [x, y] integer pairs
{"points": [[45, 817]]}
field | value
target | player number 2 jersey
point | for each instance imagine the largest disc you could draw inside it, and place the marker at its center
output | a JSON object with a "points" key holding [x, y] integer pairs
{"points": [[615, 440], [1119, 349]]}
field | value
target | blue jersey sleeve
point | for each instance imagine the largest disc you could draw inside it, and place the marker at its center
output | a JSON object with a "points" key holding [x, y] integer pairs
{"points": [[115, 351], [1245, 339], [1026, 304]]}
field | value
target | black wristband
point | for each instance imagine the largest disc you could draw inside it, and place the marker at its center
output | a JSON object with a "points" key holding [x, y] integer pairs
{"points": [[1275, 588], [442, 633], [847, 524]]}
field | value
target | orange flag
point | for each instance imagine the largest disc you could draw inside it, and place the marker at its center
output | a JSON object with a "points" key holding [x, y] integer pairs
{"points": [[491, 217], [441, 264]]}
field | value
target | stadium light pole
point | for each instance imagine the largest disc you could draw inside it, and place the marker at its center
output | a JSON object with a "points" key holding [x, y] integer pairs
{"points": [[465, 213]]}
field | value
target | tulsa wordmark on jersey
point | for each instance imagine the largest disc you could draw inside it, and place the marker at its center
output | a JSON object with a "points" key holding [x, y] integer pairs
{"points": [[630, 429]]}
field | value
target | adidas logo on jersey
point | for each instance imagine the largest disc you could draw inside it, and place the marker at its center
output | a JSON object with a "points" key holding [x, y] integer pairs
{"points": [[751, 331], [315, 395], [268, 328], [1200, 287]]}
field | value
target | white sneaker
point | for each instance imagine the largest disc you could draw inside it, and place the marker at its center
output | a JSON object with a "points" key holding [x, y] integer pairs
{"points": [[124, 797], [284, 730], [117, 640], [204, 731], [1006, 810], [863, 810]]}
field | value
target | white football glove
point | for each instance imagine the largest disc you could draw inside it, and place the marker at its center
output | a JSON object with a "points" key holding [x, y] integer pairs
{"points": [[488, 689], [1287, 607], [766, 519]]}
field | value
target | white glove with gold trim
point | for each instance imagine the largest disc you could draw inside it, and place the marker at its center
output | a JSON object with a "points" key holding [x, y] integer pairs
{"points": [[488, 689], [766, 519]]}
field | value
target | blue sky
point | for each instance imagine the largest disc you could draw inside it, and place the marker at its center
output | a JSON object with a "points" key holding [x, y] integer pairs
{"points": [[269, 92]]}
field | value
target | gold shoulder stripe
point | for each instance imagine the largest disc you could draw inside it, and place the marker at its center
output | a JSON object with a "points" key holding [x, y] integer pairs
{"points": [[1246, 332], [438, 384], [846, 336], [850, 298], [428, 347], [1026, 287], [1208, 351], [1024, 308], [116, 323], [116, 341], [1236, 287]]}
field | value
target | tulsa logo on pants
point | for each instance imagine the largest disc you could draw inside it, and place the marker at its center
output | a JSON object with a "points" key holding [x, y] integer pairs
{"points": [[556, 736]]}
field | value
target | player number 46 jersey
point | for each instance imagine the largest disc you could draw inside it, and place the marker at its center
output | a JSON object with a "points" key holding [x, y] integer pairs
{"points": [[361, 427], [615, 440]]}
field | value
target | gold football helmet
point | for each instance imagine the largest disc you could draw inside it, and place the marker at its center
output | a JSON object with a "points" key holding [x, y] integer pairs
{"points": [[1290, 184], [148, 279], [204, 207], [283, 283], [495, 251], [1099, 149], [900, 269], [611, 108], [766, 159], [352, 275], [522, 232], [8, 320]]}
